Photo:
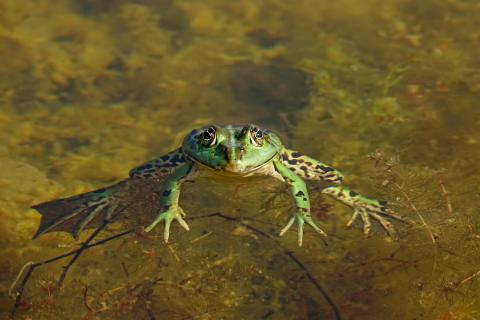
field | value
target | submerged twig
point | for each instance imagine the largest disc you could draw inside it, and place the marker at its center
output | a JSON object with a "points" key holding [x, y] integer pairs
{"points": [[445, 193], [453, 285], [26, 272], [291, 256]]}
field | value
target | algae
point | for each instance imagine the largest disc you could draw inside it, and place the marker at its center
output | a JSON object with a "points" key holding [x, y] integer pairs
{"points": [[386, 91]]}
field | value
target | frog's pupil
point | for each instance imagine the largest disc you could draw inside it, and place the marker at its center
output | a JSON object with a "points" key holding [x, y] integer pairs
{"points": [[259, 134], [207, 135]]}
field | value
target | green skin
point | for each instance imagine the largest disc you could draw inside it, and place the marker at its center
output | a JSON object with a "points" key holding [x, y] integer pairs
{"points": [[236, 152]]}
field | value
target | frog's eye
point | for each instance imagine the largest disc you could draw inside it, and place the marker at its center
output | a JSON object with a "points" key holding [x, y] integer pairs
{"points": [[257, 136], [208, 137]]}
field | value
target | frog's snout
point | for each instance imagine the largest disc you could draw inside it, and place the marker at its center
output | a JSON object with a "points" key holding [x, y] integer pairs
{"points": [[233, 156]]}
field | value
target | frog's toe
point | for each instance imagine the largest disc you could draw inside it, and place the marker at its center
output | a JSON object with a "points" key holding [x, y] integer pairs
{"points": [[386, 225], [289, 224], [179, 218], [312, 224], [354, 217], [365, 216], [168, 216], [301, 220]]}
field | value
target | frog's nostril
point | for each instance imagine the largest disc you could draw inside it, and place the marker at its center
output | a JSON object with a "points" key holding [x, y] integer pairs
{"points": [[241, 151]]}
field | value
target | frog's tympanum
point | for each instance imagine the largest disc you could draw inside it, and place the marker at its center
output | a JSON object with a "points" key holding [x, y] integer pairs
{"points": [[224, 153]]}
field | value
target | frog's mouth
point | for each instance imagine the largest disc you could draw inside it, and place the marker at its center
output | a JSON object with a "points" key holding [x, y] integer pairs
{"points": [[232, 168]]}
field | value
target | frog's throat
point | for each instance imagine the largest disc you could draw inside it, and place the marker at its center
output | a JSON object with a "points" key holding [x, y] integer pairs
{"points": [[232, 170]]}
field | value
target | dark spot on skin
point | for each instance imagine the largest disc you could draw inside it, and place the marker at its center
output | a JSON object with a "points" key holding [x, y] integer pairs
{"points": [[299, 194], [165, 208], [144, 167], [284, 156], [304, 168], [296, 154], [324, 168], [308, 163], [165, 158], [304, 199], [178, 158], [169, 165], [383, 209], [382, 202], [353, 193], [292, 161], [166, 193], [303, 209], [164, 170]]}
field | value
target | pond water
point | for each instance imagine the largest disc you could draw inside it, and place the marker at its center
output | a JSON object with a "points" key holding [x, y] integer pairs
{"points": [[388, 92]]}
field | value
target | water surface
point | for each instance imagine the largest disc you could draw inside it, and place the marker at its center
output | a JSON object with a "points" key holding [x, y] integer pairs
{"points": [[386, 91]]}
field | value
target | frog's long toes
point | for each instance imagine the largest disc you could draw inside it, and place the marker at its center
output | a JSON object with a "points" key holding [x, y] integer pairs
{"points": [[166, 232], [300, 232], [386, 225], [390, 213], [316, 228], [182, 222], [289, 224], [354, 217], [367, 224], [152, 225]]}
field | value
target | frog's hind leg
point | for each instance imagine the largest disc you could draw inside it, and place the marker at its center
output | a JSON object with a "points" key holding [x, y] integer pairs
{"points": [[309, 168], [366, 208], [76, 213]]}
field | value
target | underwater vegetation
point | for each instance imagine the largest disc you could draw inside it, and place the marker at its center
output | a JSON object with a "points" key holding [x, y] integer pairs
{"points": [[385, 91]]}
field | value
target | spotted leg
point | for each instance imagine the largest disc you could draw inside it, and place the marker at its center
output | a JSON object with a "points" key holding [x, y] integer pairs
{"points": [[170, 210], [159, 167], [363, 207], [309, 168], [301, 215]]}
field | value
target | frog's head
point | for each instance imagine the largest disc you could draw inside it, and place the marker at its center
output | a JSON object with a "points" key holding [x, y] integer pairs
{"points": [[235, 149]]}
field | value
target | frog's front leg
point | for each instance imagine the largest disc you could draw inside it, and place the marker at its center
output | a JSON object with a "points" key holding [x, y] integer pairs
{"points": [[170, 210], [301, 214]]}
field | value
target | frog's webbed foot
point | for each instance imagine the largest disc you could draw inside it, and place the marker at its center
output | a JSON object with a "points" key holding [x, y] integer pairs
{"points": [[366, 208], [171, 213], [301, 218]]}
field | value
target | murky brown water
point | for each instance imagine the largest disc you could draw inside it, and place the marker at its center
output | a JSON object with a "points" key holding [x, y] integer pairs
{"points": [[386, 91]]}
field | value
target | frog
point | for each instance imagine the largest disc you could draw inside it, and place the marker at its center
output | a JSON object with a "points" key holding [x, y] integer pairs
{"points": [[223, 153]]}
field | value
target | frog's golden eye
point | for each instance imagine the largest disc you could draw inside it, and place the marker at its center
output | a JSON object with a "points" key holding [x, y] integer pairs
{"points": [[208, 137], [257, 136]]}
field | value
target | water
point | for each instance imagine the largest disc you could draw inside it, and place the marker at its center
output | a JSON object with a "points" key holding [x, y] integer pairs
{"points": [[385, 91]]}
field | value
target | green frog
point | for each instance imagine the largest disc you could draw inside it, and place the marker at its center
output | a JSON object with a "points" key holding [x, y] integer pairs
{"points": [[224, 153]]}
